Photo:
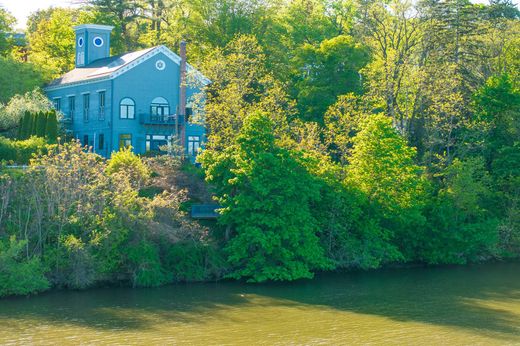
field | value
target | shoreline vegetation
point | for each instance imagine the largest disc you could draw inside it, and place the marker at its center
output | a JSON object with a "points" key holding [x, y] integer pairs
{"points": [[343, 135]]}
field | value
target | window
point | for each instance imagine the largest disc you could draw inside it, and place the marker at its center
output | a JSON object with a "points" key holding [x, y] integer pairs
{"points": [[98, 41], [125, 140], [81, 58], [85, 140], [155, 142], [101, 141], [101, 105], [72, 106], [57, 104], [159, 109], [86, 106], [193, 145], [127, 109], [160, 65]]}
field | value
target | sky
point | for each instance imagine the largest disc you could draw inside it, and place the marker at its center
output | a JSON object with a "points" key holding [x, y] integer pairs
{"points": [[22, 8]]}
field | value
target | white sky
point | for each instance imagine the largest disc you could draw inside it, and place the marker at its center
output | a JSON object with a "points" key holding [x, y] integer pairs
{"points": [[22, 8]]}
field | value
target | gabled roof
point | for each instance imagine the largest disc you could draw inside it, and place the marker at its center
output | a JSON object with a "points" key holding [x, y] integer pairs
{"points": [[108, 68]]}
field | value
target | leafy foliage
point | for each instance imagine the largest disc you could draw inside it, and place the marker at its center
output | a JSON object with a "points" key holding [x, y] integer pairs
{"points": [[19, 275], [266, 196]]}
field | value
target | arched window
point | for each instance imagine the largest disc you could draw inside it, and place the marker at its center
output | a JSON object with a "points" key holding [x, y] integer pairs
{"points": [[127, 108], [159, 108]]}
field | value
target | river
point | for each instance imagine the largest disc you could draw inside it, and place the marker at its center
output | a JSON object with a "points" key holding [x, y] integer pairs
{"points": [[420, 306]]}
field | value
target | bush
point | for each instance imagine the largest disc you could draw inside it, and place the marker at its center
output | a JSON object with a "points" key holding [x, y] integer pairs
{"points": [[129, 164], [146, 265], [14, 110], [194, 262], [19, 275], [21, 152]]}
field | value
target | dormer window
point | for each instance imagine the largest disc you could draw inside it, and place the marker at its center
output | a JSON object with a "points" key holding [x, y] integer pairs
{"points": [[98, 41]]}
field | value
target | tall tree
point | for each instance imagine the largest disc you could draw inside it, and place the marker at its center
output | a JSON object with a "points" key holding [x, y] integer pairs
{"points": [[52, 41], [383, 167], [7, 22], [322, 73], [266, 197], [240, 84]]}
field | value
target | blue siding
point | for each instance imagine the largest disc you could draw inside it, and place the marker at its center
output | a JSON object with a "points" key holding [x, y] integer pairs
{"points": [[96, 124], [142, 83], [89, 49]]}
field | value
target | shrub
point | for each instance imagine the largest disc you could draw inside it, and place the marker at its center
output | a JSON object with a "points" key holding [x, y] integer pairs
{"points": [[127, 163], [146, 265], [16, 108], [51, 129], [21, 152], [194, 262], [19, 275]]}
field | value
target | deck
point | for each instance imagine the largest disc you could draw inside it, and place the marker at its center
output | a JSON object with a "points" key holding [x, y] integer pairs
{"points": [[204, 211]]}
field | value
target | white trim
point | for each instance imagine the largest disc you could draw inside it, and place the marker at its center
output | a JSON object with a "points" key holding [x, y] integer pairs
{"points": [[100, 90], [98, 45], [80, 82], [86, 92], [93, 26], [70, 95], [56, 98], [153, 52], [160, 49], [160, 64]]}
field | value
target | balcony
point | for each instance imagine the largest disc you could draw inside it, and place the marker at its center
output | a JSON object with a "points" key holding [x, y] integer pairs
{"points": [[154, 119]]}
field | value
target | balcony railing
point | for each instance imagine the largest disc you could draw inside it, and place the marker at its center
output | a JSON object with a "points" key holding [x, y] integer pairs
{"points": [[153, 119]]}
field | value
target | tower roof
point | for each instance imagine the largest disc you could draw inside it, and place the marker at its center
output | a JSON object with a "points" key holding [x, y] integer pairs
{"points": [[93, 26]]}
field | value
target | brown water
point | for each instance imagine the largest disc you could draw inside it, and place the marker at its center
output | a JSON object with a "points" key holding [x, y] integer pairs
{"points": [[448, 306]]}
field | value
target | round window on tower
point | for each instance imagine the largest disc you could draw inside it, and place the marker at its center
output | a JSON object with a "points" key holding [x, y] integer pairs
{"points": [[80, 42], [160, 65], [98, 41]]}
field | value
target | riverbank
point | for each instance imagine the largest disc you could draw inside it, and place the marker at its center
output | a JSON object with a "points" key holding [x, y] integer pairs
{"points": [[339, 273], [475, 304]]}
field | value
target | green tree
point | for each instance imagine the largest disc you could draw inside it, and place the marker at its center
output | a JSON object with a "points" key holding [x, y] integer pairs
{"points": [[497, 115], [6, 26], [25, 125], [382, 166], [51, 38], [28, 77], [41, 124], [324, 72], [34, 124], [51, 127], [266, 196], [461, 227], [240, 85]]}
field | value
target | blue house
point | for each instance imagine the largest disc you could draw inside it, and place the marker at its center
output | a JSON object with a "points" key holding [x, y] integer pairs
{"points": [[138, 99]]}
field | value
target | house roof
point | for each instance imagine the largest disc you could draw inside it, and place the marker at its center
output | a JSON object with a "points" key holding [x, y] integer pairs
{"points": [[98, 68], [113, 66]]}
